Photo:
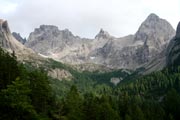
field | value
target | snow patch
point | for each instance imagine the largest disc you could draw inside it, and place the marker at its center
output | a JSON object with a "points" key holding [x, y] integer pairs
{"points": [[43, 55], [92, 58]]}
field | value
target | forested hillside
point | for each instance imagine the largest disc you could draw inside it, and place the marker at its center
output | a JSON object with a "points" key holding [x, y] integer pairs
{"points": [[27, 93]]}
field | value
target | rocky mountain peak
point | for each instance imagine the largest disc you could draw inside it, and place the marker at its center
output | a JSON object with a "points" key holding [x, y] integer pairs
{"points": [[10, 44], [7, 41], [66, 33], [5, 36], [48, 31], [152, 17], [129, 52], [178, 31], [102, 34], [155, 32], [155, 22], [47, 27], [4, 26], [48, 39]]}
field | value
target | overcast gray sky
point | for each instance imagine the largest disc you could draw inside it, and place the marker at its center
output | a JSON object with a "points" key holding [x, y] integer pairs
{"points": [[85, 17]]}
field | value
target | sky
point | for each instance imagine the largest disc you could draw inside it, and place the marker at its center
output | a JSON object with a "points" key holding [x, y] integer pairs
{"points": [[86, 17]]}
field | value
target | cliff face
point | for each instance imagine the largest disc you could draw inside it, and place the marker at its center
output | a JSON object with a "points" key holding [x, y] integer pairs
{"points": [[131, 51], [24, 54], [10, 44], [61, 45], [7, 41], [18, 37], [173, 50], [149, 42], [178, 31]]}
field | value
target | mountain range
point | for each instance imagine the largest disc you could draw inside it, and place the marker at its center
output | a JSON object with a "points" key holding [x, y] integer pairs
{"points": [[130, 52], [55, 75], [146, 49]]}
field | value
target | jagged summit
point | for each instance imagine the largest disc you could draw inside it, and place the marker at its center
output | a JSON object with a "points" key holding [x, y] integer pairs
{"points": [[102, 34], [19, 38], [52, 30], [44, 27], [152, 17], [48, 39], [7, 41], [10, 44], [67, 33], [155, 31], [52, 27], [129, 52], [4, 26]]}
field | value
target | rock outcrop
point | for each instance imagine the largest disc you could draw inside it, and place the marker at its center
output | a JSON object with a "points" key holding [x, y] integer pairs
{"points": [[10, 44], [130, 52], [178, 31], [61, 45], [18, 37], [7, 41], [173, 50], [60, 74], [24, 54], [103, 35], [155, 33], [133, 51]]}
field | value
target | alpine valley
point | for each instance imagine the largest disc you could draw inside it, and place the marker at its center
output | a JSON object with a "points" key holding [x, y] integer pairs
{"points": [[55, 75]]}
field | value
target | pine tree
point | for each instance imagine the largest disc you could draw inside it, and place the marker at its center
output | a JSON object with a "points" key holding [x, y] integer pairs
{"points": [[16, 103], [73, 104]]}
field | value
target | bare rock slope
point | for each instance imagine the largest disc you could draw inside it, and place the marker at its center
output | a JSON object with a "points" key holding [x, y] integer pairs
{"points": [[18, 37], [130, 52], [24, 54], [9, 43], [173, 51]]}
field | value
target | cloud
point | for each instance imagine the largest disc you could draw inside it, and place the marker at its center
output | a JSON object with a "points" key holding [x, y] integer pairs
{"points": [[7, 7], [86, 17]]}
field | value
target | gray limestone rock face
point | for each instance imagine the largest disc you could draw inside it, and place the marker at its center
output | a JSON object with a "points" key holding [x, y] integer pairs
{"points": [[149, 42], [10, 44], [18, 37], [131, 51], [23, 54], [60, 74], [178, 31], [155, 32], [48, 40], [173, 54], [7, 41], [102, 34]]}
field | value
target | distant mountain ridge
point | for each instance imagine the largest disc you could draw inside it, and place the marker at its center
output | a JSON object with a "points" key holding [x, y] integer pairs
{"points": [[19, 38], [129, 52], [146, 51], [26, 55]]}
